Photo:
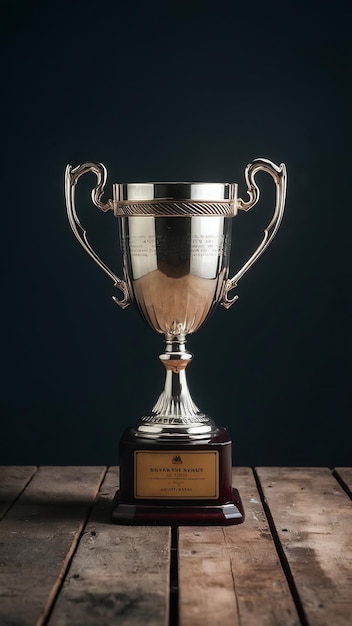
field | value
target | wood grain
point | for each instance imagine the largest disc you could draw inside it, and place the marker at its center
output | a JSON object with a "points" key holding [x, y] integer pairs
{"points": [[119, 574], [232, 575], [62, 561], [313, 519], [13, 479], [38, 536]]}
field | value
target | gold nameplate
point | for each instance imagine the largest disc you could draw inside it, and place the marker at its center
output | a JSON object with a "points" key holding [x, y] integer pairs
{"points": [[176, 474]]}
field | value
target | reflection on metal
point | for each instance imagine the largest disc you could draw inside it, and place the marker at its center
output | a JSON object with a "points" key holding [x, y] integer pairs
{"points": [[176, 242]]}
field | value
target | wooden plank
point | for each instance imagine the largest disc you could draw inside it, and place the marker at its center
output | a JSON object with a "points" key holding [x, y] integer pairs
{"points": [[13, 479], [38, 537], [313, 519], [345, 473], [232, 575], [119, 574]]}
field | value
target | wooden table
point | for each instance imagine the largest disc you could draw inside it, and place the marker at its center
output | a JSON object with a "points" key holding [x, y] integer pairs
{"points": [[63, 563]]}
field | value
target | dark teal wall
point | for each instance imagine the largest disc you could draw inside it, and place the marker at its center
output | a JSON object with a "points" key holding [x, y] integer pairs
{"points": [[176, 91]]}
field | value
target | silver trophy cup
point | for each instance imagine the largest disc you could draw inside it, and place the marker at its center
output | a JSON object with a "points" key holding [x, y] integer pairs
{"points": [[175, 463]]}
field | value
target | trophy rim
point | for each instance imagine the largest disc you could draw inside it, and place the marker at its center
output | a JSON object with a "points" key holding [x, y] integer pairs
{"points": [[171, 191]]}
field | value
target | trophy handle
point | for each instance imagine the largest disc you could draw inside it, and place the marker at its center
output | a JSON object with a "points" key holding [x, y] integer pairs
{"points": [[71, 177], [279, 175]]}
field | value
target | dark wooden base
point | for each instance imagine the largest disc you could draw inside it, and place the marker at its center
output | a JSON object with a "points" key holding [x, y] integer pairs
{"points": [[133, 507], [176, 515]]}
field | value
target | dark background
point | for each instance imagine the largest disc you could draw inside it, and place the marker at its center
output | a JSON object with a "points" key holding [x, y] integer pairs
{"points": [[183, 90]]}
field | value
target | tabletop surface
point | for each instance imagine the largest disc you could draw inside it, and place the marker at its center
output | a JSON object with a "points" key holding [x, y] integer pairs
{"points": [[62, 561]]}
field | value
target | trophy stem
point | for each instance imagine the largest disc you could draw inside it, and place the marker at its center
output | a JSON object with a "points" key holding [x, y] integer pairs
{"points": [[176, 465], [175, 414]]}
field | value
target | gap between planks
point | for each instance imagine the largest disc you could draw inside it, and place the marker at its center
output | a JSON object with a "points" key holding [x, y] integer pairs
{"points": [[119, 573], [232, 576], [343, 476], [312, 515], [39, 535], [13, 481]]}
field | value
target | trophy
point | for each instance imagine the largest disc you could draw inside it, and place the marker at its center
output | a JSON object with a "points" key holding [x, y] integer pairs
{"points": [[175, 462]]}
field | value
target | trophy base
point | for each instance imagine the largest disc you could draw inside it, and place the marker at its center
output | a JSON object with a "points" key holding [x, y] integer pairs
{"points": [[176, 482], [165, 515]]}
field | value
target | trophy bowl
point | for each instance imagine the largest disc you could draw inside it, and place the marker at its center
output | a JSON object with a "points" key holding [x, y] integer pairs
{"points": [[175, 237]]}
